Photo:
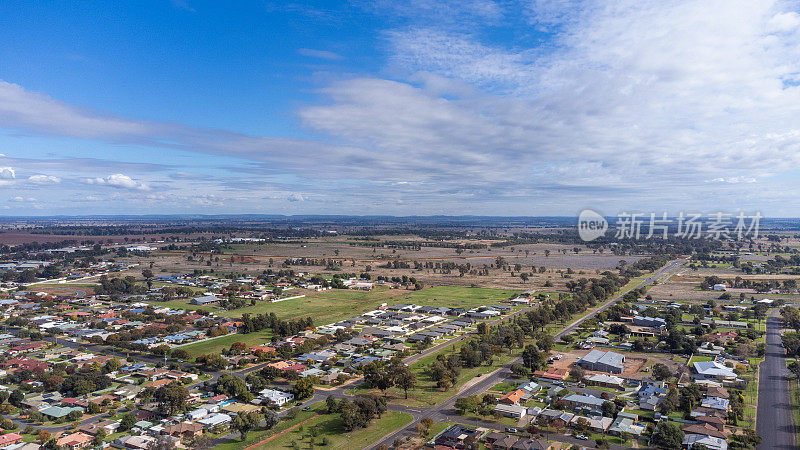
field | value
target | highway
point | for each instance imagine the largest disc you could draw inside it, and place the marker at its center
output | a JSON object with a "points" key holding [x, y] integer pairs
{"points": [[775, 423]]}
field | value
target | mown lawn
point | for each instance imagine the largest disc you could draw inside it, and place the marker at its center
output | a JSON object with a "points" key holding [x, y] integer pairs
{"points": [[217, 344], [329, 426], [256, 436]]}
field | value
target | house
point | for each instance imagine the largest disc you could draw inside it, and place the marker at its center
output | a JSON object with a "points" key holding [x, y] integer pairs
{"points": [[650, 403], [717, 391], [215, 420], [534, 444], [109, 426], [276, 397], [455, 436], [493, 437], [712, 370], [196, 414], [709, 442], [602, 379], [722, 337], [626, 423], [505, 443], [598, 424], [513, 397], [602, 361], [75, 440], [704, 429], [650, 322], [583, 401], [556, 418], [134, 442], [205, 300], [715, 403], [716, 422], [10, 439], [513, 410], [730, 324], [531, 387], [184, 430], [57, 412]]}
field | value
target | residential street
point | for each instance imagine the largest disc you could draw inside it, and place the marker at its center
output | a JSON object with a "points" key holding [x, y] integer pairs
{"points": [[775, 423], [446, 410]]}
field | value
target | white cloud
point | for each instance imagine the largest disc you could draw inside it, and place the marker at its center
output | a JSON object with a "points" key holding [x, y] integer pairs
{"points": [[118, 180], [733, 180], [323, 54], [295, 197], [44, 179], [20, 199], [7, 173]]}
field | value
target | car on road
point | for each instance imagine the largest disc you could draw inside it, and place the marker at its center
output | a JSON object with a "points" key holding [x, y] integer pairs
{"points": [[511, 430], [582, 437], [306, 408]]}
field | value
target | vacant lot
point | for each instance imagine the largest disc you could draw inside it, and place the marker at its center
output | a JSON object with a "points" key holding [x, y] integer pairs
{"points": [[215, 345], [329, 426], [633, 366]]}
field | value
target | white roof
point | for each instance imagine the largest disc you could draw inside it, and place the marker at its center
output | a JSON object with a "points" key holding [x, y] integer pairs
{"points": [[216, 419], [713, 368]]}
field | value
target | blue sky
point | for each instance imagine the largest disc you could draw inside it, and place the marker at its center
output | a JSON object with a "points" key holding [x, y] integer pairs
{"points": [[382, 107]]}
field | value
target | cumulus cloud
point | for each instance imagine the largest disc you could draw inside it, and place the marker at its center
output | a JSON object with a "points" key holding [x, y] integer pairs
{"points": [[44, 179], [118, 180], [7, 173], [295, 197], [20, 199]]}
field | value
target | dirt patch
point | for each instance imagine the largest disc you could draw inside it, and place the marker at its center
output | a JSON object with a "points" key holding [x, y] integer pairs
{"points": [[634, 362]]}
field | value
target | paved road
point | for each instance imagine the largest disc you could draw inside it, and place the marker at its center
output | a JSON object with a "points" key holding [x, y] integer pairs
{"points": [[775, 423], [649, 280], [446, 410]]}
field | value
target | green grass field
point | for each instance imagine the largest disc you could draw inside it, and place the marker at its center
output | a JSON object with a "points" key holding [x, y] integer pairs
{"points": [[217, 344], [426, 393], [258, 435], [330, 426], [340, 304], [794, 389]]}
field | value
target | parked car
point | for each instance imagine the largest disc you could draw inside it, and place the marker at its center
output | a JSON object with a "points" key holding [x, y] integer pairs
{"points": [[582, 437], [511, 430]]}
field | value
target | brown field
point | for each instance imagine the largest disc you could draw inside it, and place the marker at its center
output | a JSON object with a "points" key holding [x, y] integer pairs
{"points": [[252, 258], [634, 362]]}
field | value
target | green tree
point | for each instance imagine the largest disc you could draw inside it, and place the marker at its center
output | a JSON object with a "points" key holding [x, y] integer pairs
{"points": [[171, 398], [304, 388], [668, 436], [244, 422], [661, 372], [405, 379], [127, 422]]}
